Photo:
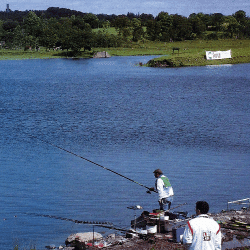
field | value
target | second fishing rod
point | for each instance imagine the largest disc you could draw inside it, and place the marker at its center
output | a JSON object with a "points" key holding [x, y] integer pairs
{"points": [[97, 164]]}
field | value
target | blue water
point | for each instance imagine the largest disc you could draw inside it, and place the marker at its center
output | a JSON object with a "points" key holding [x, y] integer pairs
{"points": [[193, 123]]}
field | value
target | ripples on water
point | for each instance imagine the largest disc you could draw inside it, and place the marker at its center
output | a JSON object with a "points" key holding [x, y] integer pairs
{"points": [[193, 123]]}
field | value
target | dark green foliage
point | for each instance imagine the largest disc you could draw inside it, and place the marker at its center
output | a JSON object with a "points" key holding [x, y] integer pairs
{"points": [[72, 30], [105, 40], [212, 36]]}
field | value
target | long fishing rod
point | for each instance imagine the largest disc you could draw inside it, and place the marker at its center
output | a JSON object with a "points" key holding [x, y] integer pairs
{"points": [[177, 206], [72, 153]]}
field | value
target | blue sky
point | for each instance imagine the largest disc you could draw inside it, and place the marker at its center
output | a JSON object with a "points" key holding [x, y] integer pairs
{"points": [[181, 7]]}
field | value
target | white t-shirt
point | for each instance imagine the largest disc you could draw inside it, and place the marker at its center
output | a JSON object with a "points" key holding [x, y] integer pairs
{"points": [[202, 232], [163, 187]]}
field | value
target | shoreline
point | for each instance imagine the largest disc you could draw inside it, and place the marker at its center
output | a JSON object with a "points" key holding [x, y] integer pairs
{"points": [[194, 62], [190, 53], [235, 228]]}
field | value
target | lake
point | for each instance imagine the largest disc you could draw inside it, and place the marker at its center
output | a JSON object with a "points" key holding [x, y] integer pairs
{"points": [[193, 123]]}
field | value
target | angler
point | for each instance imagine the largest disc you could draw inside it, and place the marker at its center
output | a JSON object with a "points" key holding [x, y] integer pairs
{"points": [[164, 189]]}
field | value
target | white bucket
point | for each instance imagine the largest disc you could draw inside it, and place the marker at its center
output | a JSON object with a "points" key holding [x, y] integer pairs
{"points": [[151, 229], [162, 218], [166, 217], [143, 231]]}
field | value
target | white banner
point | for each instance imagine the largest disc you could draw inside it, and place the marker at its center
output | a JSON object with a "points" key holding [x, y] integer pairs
{"points": [[213, 55]]}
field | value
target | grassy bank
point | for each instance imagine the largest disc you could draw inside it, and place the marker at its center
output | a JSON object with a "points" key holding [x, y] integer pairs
{"points": [[42, 54], [191, 53]]}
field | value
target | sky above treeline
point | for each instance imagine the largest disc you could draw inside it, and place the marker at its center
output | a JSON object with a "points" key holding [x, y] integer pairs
{"points": [[117, 7]]}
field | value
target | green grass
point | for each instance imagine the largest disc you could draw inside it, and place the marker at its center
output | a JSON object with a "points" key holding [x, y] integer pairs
{"points": [[21, 54], [144, 47], [191, 53], [110, 30], [113, 30], [42, 54]]}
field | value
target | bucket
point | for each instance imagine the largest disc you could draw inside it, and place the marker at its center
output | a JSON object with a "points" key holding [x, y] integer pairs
{"points": [[166, 217], [163, 218], [151, 229]]}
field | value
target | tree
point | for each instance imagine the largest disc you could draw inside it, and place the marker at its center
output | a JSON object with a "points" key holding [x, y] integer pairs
{"points": [[198, 26], [9, 25], [145, 18], [131, 16], [205, 18], [123, 26], [106, 24], [50, 34], [32, 24], [181, 28], [137, 29], [75, 35], [240, 16], [102, 38], [153, 30], [247, 29], [18, 37], [165, 22], [8, 28], [230, 26], [92, 20], [1, 30], [217, 20]]}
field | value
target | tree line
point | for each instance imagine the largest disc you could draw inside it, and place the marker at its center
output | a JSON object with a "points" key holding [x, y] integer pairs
{"points": [[74, 30]]}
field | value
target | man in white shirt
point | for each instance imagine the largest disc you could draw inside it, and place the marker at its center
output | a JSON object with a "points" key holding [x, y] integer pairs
{"points": [[164, 190], [202, 232]]}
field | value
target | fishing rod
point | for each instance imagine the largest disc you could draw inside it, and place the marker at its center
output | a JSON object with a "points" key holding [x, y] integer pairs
{"points": [[72, 153], [177, 206]]}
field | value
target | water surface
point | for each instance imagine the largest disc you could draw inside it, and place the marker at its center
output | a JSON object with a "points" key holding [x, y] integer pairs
{"points": [[193, 123]]}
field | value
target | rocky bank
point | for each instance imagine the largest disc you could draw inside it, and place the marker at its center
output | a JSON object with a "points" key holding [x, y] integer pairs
{"points": [[235, 227]]}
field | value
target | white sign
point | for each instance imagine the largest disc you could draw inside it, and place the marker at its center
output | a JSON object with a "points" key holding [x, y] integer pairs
{"points": [[213, 55]]}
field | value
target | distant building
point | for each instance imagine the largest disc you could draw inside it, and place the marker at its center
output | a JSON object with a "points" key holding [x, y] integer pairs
{"points": [[8, 8]]}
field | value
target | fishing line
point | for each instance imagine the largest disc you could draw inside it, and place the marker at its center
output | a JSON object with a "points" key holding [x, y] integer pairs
{"points": [[72, 220], [108, 225], [72, 153]]}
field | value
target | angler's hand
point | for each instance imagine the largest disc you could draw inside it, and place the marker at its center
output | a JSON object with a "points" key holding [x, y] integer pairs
{"points": [[150, 189]]}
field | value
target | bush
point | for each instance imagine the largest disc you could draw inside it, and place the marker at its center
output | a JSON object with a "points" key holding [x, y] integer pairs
{"points": [[212, 36]]}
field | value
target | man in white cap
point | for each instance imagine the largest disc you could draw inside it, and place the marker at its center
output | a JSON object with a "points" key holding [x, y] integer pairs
{"points": [[164, 190]]}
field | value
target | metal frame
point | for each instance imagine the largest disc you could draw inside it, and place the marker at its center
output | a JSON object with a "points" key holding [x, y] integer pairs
{"points": [[239, 202]]}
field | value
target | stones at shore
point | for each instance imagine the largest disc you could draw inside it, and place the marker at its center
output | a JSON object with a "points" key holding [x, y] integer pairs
{"points": [[83, 237], [235, 235], [84, 240], [103, 54]]}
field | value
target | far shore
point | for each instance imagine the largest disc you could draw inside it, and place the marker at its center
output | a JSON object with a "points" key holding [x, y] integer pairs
{"points": [[190, 53]]}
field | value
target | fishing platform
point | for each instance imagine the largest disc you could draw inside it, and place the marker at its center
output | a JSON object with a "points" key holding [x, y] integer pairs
{"points": [[172, 224]]}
